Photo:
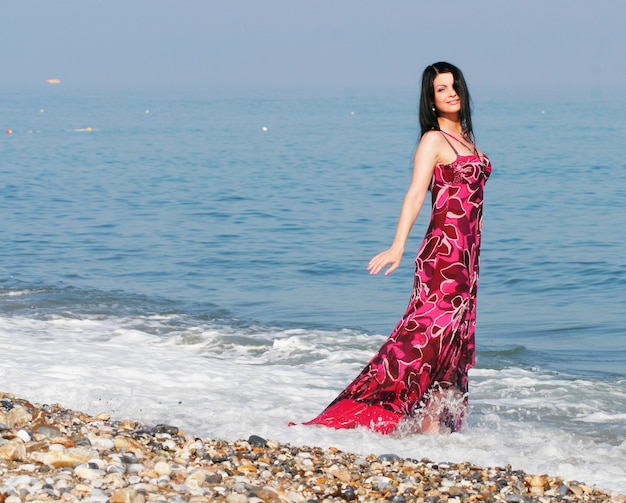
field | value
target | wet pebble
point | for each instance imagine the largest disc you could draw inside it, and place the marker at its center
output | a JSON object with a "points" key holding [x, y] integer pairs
{"points": [[257, 441]]}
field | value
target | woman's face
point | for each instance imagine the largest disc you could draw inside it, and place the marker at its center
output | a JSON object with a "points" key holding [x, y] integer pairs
{"points": [[446, 100]]}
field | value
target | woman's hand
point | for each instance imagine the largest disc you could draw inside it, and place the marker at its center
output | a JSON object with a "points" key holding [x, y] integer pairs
{"points": [[391, 257]]}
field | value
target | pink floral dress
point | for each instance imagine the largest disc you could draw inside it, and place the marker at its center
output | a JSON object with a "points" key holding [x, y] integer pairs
{"points": [[431, 349]]}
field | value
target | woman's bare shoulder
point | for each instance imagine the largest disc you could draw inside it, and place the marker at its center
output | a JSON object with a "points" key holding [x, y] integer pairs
{"points": [[432, 139], [433, 146]]}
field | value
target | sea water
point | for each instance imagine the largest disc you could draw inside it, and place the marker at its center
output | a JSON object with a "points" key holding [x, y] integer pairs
{"points": [[199, 259]]}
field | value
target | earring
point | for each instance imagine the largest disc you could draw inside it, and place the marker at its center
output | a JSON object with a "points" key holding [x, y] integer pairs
{"points": [[433, 109]]}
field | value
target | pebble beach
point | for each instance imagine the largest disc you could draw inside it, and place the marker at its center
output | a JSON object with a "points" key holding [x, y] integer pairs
{"points": [[51, 453]]}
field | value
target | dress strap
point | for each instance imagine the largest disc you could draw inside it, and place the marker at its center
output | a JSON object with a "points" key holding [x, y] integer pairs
{"points": [[445, 135], [449, 142]]}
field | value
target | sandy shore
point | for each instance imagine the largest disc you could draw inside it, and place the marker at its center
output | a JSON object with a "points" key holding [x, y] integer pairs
{"points": [[50, 453]]}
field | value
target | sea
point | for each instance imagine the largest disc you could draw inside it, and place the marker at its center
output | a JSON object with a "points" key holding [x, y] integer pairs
{"points": [[198, 258]]}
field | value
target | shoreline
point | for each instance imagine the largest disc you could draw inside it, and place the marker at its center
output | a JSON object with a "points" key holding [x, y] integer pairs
{"points": [[51, 453]]}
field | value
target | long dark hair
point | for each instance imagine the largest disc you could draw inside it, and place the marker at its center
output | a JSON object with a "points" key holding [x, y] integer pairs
{"points": [[428, 116]]}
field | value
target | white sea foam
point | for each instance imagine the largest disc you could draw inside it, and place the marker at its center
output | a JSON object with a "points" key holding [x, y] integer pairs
{"points": [[14, 293], [225, 383], [602, 417]]}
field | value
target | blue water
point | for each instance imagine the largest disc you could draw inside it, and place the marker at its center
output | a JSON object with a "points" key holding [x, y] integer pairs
{"points": [[238, 228]]}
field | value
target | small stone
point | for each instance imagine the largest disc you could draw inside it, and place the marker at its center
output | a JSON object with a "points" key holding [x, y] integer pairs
{"points": [[29, 467], [257, 441], [102, 443], [83, 488], [576, 489], [267, 494], [135, 468], [58, 459], [103, 416], [47, 431], [361, 462], [341, 474], [455, 491], [563, 490], [123, 496], [248, 469], [162, 468], [165, 428], [296, 497], [385, 486], [139, 498], [388, 457], [84, 472], [97, 464], [198, 478], [127, 425], [13, 450], [114, 480], [213, 478], [18, 416], [127, 444], [538, 482], [236, 498], [240, 487], [63, 441], [22, 480], [128, 458], [115, 469], [348, 493]]}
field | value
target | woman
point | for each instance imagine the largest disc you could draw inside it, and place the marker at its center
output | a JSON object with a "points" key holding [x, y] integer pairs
{"points": [[417, 382]]}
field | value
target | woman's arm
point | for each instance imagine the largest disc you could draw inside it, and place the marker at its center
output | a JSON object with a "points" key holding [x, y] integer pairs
{"points": [[426, 157]]}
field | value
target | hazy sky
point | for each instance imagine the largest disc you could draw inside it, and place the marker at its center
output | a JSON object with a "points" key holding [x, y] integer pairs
{"points": [[536, 45]]}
